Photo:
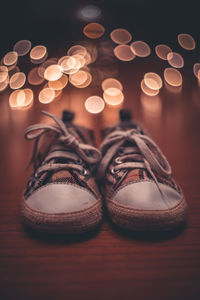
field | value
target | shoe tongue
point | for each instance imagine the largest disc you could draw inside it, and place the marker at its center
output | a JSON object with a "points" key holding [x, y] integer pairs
{"points": [[49, 140], [83, 134], [67, 116], [49, 143], [62, 176], [125, 124]]}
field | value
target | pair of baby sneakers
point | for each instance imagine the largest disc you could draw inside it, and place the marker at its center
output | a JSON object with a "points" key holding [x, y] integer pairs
{"points": [[71, 176]]}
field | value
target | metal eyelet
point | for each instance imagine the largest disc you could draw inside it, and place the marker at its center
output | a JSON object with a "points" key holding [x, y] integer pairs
{"points": [[121, 151], [118, 160], [79, 161], [30, 184], [114, 171], [83, 172]]}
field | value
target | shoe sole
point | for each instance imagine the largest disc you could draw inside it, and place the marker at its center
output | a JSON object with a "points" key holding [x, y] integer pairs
{"points": [[144, 220], [69, 223]]}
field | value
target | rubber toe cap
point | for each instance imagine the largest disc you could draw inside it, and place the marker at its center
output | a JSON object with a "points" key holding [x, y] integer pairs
{"points": [[146, 196], [60, 198]]}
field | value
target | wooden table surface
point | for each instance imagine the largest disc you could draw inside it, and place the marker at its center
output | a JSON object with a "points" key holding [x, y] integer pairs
{"points": [[108, 263]]}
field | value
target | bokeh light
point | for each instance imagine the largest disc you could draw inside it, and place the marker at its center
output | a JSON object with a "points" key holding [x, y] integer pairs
{"points": [[53, 72], [46, 95], [46, 64], [67, 63], [71, 64], [93, 30], [162, 51], [77, 49], [38, 53], [14, 98], [39, 61], [113, 99], [12, 69], [75, 68], [186, 41], [94, 104], [22, 47], [113, 91], [140, 49], [153, 81], [148, 91], [92, 52], [34, 78], [17, 80], [196, 70], [175, 60], [78, 78], [111, 83], [89, 13], [57, 93], [3, 73], [88, 58], [10, 58], [124, 53], [28, 97], [79, 58], [4, 84], [87, 82], [173, 77], [120, 36], [59, 84], [20, 99]]}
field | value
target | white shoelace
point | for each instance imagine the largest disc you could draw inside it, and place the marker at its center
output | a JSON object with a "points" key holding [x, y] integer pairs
{"points": [[34, 132], [149, 157]]}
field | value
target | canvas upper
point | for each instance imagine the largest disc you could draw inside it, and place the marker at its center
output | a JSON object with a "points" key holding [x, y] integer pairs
{"points": [[64, 162], [135, 175]]}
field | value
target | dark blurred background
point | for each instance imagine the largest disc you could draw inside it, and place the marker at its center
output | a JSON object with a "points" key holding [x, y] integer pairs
{"points": [[58, 23]]}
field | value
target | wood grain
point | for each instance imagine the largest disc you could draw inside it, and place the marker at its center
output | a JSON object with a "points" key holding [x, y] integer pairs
{"points": [[108, 263]]}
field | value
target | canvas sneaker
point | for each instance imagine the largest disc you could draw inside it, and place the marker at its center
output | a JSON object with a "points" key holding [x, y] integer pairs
{"points": [[136, 180], [61, 194]]}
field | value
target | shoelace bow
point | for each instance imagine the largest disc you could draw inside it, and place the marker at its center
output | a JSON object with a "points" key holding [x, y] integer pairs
{"points": [[34, 132], [149, 153]]}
